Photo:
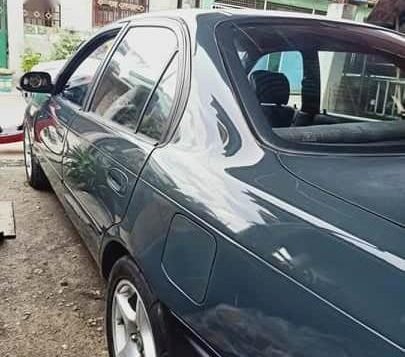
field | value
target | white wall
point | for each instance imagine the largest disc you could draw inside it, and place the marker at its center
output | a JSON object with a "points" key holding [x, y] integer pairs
{"points": [[15, 19], [157, 5], [332, 64], [206, 4], [76, 15]]}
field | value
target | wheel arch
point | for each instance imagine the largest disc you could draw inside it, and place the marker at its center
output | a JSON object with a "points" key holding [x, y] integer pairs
{"points": [[112, 251]]}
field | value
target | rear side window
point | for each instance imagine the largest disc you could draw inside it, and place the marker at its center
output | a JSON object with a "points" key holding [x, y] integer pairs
{"points": [[157, 114], [132, 74]]}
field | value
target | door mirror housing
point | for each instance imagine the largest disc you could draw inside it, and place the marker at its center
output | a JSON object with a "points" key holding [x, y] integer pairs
{"points": [[36, 82]]}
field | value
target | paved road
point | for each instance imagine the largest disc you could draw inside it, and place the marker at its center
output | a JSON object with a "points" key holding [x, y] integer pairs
{"points": [[51, 295]]}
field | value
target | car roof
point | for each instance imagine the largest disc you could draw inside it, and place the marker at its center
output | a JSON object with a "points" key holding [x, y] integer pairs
{"points": [[190, 15]]}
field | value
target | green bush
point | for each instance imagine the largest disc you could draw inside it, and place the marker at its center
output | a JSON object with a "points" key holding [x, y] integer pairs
{"points": [[66, 45], [30, 59]]}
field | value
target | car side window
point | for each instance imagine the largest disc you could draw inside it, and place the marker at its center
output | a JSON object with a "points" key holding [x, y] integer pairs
{"points": [[79, 83], [131, 76], [157, 114]]}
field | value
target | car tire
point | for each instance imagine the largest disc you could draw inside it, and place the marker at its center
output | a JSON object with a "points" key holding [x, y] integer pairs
{"points": [[144, 329], [33, 170]]}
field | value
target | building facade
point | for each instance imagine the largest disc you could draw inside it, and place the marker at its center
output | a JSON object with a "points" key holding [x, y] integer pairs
{"points": [[81, 15], [17, 17], [390, 14]]}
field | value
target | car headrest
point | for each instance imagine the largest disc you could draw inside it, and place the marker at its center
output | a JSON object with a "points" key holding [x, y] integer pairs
{"points": [[271, 87]]}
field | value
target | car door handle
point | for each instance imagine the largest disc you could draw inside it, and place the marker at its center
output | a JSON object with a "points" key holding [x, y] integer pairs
{"points": [[117, 180]]}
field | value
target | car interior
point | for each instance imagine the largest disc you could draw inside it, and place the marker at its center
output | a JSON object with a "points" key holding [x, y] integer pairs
{"points": [[326, 84]]}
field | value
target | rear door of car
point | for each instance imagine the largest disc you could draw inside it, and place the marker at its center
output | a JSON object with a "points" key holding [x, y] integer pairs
{"points": [[111, 140]]}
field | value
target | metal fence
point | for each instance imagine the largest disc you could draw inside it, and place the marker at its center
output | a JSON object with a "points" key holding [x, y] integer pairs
{"points": [[263, 5], [240, 4], [42, 14], [388, 97]]}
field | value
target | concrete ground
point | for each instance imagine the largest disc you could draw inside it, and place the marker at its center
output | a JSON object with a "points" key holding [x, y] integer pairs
{"points": [[51, 295]]}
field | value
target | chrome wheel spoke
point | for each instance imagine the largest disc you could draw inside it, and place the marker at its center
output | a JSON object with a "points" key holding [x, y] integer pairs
{"points": [[140, 314], [129, 350], [126, 311], [147, 340], [145, 330], [120, 335]]}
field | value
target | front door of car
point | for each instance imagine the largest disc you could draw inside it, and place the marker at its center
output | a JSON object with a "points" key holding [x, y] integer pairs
{"points": [[60, 110], [107, 146]]}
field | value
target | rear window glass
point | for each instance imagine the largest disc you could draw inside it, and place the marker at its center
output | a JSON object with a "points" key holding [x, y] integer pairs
{"points": [[322, 83]]}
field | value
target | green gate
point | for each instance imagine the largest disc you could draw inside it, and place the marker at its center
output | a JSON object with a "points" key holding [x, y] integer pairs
{"points": [[3, 33]]}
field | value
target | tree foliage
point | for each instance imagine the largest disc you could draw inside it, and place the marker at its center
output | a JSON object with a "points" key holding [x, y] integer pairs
{"points": [[30, 59], [66, 45]]}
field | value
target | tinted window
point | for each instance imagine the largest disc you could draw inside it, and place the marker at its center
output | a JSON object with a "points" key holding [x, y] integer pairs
{"points": [[157, 113], [350, 80], [132, 74], [78, 84]]}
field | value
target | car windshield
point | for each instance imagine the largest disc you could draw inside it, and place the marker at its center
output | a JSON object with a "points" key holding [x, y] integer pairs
{"points": [[320, 82]]}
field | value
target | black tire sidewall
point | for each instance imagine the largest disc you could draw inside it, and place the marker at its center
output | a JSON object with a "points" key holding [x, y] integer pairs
{"points": [[126, 269], [37, 179], [26, 134]]}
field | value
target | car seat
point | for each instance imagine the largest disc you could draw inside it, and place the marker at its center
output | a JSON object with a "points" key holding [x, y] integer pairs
{"points": [[273, 92]]}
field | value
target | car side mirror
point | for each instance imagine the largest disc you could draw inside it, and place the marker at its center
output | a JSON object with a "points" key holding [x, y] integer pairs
{"points": [[36, 82]]}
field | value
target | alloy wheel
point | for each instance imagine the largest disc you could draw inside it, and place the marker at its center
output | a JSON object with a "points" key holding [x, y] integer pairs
{"points": [[132, 331]]}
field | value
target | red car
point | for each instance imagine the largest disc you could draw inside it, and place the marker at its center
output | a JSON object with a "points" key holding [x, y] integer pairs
{"points": [[11, 135]]}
